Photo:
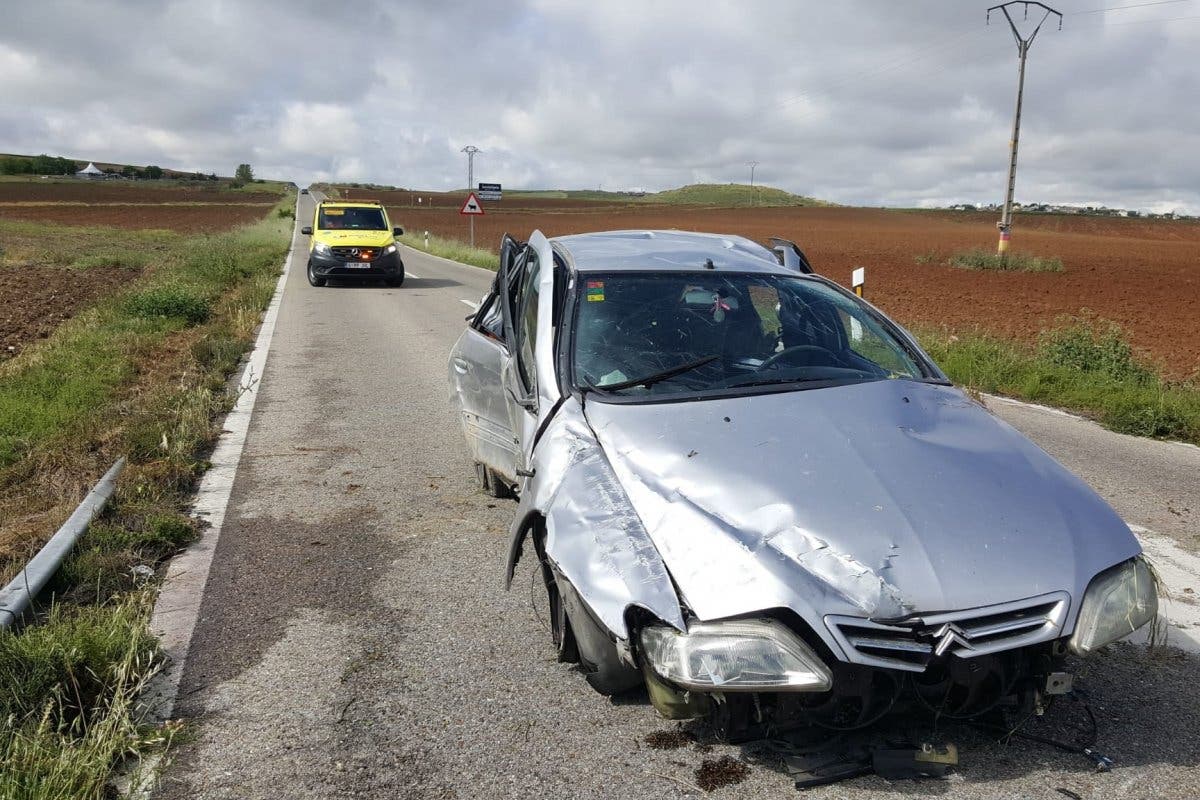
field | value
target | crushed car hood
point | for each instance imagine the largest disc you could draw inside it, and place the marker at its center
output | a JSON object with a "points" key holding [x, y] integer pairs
{"points": [[878, 500]]}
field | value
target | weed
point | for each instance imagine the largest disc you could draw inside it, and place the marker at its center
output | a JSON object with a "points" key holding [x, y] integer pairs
{"points": [[1084, 365], [1012, 262], [180, 302], [1090, 345], [454, 250]]}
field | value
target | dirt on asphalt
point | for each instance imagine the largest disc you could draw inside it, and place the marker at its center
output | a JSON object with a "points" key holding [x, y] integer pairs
{"points": [[1143, 274]]}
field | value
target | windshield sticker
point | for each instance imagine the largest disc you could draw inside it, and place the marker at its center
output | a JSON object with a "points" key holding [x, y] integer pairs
{"points": [[595, 291], [334, 212]]}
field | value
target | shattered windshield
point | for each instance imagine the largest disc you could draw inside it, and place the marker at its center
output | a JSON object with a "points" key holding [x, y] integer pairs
{"points": [[670, 333]]}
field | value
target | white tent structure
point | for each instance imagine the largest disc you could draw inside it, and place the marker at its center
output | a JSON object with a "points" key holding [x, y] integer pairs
{"points": [[89, 171]]}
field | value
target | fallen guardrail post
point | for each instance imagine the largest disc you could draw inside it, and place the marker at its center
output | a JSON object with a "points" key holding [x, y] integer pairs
{"points": [[16, 597]]}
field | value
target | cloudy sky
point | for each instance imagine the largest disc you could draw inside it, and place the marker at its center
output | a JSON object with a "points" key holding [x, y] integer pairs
{"points": [[874, 102]]}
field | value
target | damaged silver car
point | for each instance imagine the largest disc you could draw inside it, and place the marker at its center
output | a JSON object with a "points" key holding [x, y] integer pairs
{"points": [[752, 492]]}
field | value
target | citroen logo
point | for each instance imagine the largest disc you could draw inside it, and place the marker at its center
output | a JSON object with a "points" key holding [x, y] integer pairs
{"points": [[949, 635]]}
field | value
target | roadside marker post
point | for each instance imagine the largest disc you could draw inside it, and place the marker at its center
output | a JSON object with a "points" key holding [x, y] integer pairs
{"points": [[426, 240], [857, 280]]}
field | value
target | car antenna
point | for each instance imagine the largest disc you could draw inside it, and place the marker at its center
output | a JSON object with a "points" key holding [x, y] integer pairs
{"points": [[708, 264]]}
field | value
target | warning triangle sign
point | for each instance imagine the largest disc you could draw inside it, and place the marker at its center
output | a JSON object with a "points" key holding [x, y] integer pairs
{"points": [[472, 206]]}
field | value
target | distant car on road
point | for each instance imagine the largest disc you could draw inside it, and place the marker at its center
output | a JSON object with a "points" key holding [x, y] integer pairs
{"points": [[304, 191], [353, 239], [752, 492]]}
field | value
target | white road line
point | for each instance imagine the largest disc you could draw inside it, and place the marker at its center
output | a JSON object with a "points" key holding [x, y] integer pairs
{"points": [[178, 606], [468, 303], [411, 274]]}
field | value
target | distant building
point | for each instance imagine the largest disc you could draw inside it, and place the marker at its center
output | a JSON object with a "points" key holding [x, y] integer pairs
{"points": [[90, 171]]}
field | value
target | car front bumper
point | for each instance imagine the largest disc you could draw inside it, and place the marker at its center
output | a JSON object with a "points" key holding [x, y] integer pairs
{"points": [[386, 266]]}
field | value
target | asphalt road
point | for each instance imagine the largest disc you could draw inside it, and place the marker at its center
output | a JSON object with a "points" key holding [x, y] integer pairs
{"points": [[355, 640]]}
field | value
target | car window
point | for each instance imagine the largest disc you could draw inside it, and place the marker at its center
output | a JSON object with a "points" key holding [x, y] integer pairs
{"points": [[490, 320], [351, 218], [526, 321], [735, 329]]}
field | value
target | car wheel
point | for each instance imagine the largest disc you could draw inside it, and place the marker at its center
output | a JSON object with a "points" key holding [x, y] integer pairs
{"points": [[313, 278], [396, 280], [561, 635]]}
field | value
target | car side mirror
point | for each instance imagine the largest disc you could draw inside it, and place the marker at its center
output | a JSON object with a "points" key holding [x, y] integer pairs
{"points": [[397, 231], [306, 230]]}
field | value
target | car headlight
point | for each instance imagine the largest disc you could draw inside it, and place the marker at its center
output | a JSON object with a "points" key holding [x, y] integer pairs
{"points": [[387, 251], [759, 655], [322, 249], [1117, 602]]}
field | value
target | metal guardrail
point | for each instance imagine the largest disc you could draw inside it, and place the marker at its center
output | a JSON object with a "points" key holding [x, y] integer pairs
{"points": [[16, 597]]}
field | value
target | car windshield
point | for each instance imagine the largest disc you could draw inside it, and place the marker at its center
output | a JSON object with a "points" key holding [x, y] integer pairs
{"points": [[355, 219], [640, 334]]}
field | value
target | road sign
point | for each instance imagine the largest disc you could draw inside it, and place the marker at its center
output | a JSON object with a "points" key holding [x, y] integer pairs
{"points": [[489, 191], [472, 207]]}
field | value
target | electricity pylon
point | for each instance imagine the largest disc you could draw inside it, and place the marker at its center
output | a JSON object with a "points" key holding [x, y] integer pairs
{"points": [[1023, 45]]}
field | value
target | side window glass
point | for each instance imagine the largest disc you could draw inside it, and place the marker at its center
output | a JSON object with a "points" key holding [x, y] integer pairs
{"points": [[526, 321]]}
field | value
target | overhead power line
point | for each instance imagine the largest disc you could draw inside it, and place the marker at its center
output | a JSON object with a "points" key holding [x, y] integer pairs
{"points": [[1122, 8]]}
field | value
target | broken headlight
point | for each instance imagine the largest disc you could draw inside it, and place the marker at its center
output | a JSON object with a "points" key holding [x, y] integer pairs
{"points": [[738, 656], [1118, 601]]}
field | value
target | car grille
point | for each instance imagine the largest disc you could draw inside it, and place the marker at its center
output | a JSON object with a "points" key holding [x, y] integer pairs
{"points": [[912, 643], [356, 253]]}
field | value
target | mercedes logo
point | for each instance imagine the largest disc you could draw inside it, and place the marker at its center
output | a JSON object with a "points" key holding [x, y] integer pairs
{"points": [[949, 635], [354, 251]]}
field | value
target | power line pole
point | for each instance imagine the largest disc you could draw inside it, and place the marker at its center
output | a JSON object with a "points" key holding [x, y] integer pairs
{"points": [[1023, 45], [751, 165], [471, 150]]}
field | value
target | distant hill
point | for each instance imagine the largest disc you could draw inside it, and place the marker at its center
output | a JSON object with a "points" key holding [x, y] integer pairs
{"points": [[731, 194]]}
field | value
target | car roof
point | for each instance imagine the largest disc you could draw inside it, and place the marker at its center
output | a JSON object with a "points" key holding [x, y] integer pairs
{"points": [[679, 251]]}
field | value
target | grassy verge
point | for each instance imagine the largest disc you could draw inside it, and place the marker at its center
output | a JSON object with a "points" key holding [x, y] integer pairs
{"points": [[142, 374], [1009, 262], [1084, 365], [453, 250]]}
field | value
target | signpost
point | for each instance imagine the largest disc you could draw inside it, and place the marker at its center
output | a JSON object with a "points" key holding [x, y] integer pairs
{"points": [[489, 191], [472, 209]]}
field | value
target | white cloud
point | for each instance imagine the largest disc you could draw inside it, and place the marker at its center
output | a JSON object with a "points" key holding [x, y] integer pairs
{"points": [[858, 101]]}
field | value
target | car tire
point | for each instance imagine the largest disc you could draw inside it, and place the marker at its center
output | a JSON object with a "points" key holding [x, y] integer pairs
{"points": [[561, 634], [396, 280], [313, 278]]}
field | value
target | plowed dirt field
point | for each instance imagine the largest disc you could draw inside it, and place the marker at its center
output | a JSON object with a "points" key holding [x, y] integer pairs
{"points": [[182, 218], [1142, 274]]}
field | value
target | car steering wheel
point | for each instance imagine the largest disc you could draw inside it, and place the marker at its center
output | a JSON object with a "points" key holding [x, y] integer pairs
{"points": [[799, 348]]}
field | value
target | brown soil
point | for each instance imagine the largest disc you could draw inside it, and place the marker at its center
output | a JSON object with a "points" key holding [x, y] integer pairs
{"points": [[119, 192], [36, 300], [184, 219], [1142, 274]]}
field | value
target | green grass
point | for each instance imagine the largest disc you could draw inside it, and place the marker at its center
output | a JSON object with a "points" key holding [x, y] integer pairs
{"points": [[142, 374], [731, 194], [1083, 365], [50, 390], [979, 258], [67, 694], [453, 250]]}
